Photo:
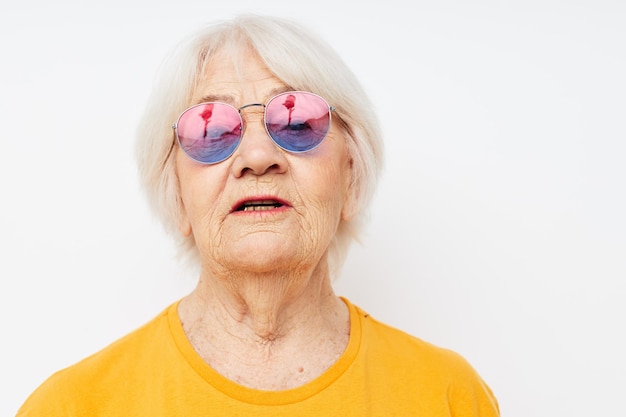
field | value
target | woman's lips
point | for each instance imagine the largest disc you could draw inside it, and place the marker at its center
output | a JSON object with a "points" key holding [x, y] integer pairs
{"points": [[256, 204], [263, 205]]}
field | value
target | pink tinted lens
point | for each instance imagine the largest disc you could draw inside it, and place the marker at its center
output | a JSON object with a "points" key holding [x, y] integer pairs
{"points": [[209, 132], [297, 121]]}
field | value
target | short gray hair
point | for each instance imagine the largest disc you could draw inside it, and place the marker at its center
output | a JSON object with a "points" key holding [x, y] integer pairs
{"points": [[298, 58]]}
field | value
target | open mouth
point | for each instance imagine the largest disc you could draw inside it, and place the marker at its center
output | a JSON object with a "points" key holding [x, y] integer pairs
{"points": [[259, 205]]}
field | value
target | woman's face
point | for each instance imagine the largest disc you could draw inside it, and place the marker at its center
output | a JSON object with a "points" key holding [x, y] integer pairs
{"points": [[311, 189]]}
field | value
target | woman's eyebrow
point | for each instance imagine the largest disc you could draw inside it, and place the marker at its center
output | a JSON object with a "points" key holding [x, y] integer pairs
{"points": [[216, 97], [278, 90], [231, 100]]}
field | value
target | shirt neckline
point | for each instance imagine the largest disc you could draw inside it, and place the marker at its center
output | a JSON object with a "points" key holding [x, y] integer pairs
{"points": [[262, 397]]}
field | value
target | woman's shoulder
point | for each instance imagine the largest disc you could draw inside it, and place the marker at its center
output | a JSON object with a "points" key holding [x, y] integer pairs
{"points": [[399, 356], [124, 348], [87, 374], [399, 345]]}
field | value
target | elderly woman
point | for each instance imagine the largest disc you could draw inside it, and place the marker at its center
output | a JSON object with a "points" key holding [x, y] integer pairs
{"points": [[260, 151]]}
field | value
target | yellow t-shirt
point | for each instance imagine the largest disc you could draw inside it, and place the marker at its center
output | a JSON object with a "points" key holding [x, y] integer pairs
{"points": [[155, 371]]}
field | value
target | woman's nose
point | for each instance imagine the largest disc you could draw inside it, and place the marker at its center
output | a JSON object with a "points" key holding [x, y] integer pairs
{"points": [[257, 154]]}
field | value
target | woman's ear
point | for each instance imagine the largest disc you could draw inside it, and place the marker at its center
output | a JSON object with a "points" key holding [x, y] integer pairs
{"points": [[182, 219], [183, 223], [184, 227], [350, 206]]}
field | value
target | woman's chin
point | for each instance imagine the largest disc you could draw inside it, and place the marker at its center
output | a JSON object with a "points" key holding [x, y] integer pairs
{"points": [[266, 253]]}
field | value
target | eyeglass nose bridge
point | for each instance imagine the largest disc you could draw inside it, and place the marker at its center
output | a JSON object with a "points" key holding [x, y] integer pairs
{"points": [[245, 106]]}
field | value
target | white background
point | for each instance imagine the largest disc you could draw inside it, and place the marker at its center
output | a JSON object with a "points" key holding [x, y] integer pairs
{"points": [[498, 230]]}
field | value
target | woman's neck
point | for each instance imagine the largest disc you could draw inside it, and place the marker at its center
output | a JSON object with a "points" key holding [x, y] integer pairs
{"points": [[266, 331]]}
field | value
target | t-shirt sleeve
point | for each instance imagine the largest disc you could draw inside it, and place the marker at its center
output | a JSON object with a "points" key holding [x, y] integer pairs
{"points": [[470, 396], [49, 400]]}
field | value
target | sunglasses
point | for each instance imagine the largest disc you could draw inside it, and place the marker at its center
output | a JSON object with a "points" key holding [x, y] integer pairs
{"points": [[297, 121]]}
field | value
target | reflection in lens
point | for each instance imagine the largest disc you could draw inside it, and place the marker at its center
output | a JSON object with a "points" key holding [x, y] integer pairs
{"points": [[289, 103], [206, 114]]}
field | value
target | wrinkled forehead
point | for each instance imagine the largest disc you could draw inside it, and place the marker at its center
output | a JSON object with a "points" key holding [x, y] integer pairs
{"points": [[236, 79], [231, 53]]}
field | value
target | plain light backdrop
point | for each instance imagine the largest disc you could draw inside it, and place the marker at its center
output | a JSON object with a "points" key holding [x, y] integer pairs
{"points": [[498, 229]]}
